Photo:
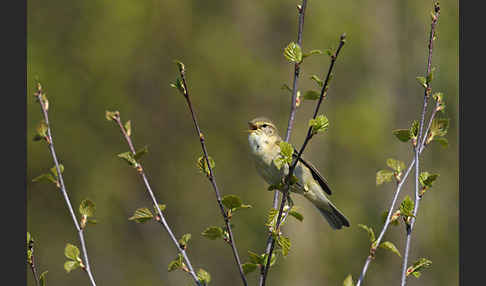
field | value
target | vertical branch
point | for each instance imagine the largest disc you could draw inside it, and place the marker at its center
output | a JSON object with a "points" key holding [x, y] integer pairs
{"points": [[420, 141], [309, 136], [293, 108], [160, 218], [48, 137], [31, 262], [211, 176]]}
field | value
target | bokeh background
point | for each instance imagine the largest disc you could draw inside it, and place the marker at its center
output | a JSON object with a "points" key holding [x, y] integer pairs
{"points": [[117, 55]]}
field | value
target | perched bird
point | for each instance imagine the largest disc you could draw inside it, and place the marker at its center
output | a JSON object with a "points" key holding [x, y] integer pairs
{"points": [[264, 144]]}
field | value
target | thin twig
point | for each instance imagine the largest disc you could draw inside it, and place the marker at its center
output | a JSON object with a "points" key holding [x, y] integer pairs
{"points": [[160, 218], [323, 94], [211, 176], [50, 142], [420, 142]]}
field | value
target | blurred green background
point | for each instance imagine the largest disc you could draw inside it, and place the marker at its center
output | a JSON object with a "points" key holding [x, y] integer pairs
{"points": [[117, 55]]}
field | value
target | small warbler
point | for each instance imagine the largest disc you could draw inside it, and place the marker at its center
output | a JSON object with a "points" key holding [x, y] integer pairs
{"points": [[265, 149]]}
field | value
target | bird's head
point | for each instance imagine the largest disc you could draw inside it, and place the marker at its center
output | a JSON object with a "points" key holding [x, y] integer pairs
{"points": [[262, 126]]}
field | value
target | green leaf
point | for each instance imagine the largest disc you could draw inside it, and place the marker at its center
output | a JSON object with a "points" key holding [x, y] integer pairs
{"points": [[176, 263], [203, 276], [370, 231], [45, 177], [41, 131], [179, 85], [111, 115], [72, 252], [348, 281], [407, 206], [54, 170], [402, 134], [422, 81], [128, 128], [284, 243], [319, 124], [286, 151], [42, 278], [439, 127], [249, 267], [128, 157], [272, 217], [232, 201], [396, 165], [30, 242], [184, 240], [87, 208], [272, 260], [426, 179], [418, 266], [213, 232], [414, 129], [142, 215], [140, 153], [390, 246], [383, 176], [311, 53], [255, 258], [70, 265], [311, 95], [329, 52], [319, 81], [293, 212], [203, 166], [293, 53]]}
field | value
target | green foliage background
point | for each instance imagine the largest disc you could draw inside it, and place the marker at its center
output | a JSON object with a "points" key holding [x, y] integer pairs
{"points": [[117, 55]]}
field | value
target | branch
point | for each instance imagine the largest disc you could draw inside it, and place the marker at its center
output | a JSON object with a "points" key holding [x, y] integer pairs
{"points": [[211, 176], [418, 150], [293, 108], [31, 261], [40, 95], [309, 136], [421, 142], [160, 218]]}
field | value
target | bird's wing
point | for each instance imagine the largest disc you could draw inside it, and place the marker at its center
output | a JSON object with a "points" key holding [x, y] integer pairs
{"points": [[315, 174]]}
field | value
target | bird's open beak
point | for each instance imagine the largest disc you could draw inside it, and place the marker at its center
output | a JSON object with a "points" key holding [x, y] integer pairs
{"points": [[252, 127]]}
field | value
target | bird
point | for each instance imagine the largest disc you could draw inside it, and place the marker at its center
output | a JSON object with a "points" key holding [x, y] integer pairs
{"points": [[264, 142]]}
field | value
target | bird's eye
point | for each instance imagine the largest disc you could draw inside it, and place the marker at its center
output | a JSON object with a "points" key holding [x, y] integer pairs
{"points": [[265, 125]]}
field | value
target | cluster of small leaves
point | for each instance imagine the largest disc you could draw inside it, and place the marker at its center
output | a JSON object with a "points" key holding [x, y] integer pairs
{"points": [[42, 96], [406, 135], [203, 276], [397, 167], [72, 253], [425, 81], [319, 124], [41, 131], [426, 180], [418, 266], [177, 263], [203, 165], [112, 115], [438, 130], [30, 248], [143, 215], [257, 261], [232, 203], [393, 219], [30, 260], [293, 53], [51, 177], [184, 240], [87, 209], [132, 159], [286, 152], [385, 244]]}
